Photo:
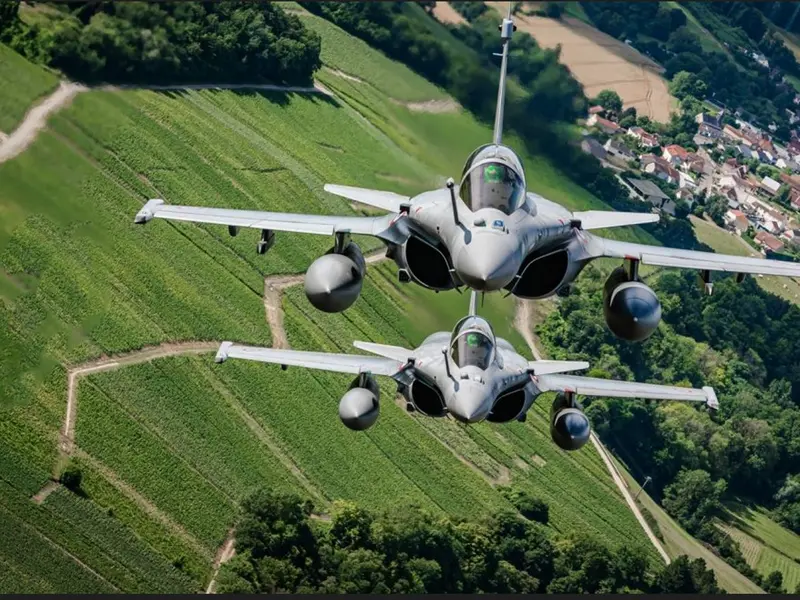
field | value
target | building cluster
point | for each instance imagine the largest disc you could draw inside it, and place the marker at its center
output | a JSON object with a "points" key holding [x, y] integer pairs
{"points": [[740, 152]]}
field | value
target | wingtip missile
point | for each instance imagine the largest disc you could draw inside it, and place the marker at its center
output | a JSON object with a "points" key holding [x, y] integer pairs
{"points": [[148, 211]]}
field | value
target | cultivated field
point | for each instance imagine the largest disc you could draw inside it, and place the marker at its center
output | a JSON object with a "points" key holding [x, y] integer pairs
{"points": [[447, 14], [168, 448], [600, 61]]}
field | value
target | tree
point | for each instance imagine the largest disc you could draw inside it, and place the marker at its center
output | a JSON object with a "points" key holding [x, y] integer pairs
{"points": [[529, 506], [683, 576], [716, 207], [783, 195], [773, 583], [687, 85], [610, 100], [71, 479], [693, 498], [553, 10]]}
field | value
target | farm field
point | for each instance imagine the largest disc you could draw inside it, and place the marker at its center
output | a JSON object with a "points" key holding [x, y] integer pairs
{"points": [[722, 241], [766, 545], [599, 61], [79, 281], [676, 541], [22, 84]]}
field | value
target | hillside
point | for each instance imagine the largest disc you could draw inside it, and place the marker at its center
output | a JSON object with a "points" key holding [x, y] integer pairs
{"points": [[600, 62], [82, 283]]}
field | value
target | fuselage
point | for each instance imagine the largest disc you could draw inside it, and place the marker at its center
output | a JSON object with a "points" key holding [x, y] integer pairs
{"points": [[471, 391], [487, 242]]}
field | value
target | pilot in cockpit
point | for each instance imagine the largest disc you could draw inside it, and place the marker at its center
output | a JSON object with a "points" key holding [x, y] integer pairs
{"points": [[493, 178], [472, 344]]}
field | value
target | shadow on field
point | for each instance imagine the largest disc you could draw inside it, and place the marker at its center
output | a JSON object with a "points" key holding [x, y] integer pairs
{"points": [[282, 98]]}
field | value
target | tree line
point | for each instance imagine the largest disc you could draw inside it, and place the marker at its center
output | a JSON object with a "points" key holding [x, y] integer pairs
{"points": [[165, 42], [742, 341], [280, 548]]}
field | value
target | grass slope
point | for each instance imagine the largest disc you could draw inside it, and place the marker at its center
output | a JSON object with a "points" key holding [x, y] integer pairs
{"points": [[79, 280], [22, 83], [767, 546], [677, 542]]}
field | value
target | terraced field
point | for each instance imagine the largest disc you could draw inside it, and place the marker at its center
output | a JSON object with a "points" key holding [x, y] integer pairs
{"points": [[169, 447], [767, 546]]}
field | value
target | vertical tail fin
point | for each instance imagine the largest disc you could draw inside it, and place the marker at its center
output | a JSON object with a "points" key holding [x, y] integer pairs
{"points": [[506, 29]]}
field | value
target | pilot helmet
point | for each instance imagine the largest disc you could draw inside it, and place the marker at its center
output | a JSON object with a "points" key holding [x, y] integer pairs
{"points": [[493, 180]]}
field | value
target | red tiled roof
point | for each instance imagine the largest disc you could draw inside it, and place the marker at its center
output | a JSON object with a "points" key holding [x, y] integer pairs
{"points": [[769, 240], [678, 151]]}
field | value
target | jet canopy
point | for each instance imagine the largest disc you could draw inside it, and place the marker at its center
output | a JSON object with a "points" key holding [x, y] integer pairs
{"points": [[472, 343], [493, 178]]}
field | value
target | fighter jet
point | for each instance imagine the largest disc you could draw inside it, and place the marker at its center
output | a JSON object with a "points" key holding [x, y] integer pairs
{"points": [[487, 233], [470, 375]]}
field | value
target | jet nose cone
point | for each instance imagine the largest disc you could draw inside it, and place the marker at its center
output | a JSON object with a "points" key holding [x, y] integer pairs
{"points": [[488, 263], [469, 404]]}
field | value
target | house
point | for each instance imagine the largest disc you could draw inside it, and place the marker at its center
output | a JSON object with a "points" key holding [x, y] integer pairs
{"points": [[768, 241], [593, 147], [686, 181], [655, 165], [675, 154], [648, 140], [596, 110], [743, 150], [618, 149], [650, 192], [731, 133], [770, 185], [694, 164], [791, 181], [781, 164], [736, 220], [794, 199], [709, 126], [604, 124]]}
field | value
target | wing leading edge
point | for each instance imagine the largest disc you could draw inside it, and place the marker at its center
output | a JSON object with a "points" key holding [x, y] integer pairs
{"points": [[324, 361], [256, 219], [691, 259], [590, 386]]}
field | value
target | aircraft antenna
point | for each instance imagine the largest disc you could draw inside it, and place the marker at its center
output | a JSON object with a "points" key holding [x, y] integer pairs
{"points": [[473, 303], [506, 29]]}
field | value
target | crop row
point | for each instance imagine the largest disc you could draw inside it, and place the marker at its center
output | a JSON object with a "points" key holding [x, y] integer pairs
{"points": [[145, 461]]}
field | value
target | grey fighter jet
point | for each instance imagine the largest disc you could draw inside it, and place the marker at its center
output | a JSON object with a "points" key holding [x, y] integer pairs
{"points": [[468, 374], [487, 233]]}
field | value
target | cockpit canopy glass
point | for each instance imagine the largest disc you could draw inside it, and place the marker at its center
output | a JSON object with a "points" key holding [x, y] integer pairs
{"points": [[473, 344], [492, 184]]}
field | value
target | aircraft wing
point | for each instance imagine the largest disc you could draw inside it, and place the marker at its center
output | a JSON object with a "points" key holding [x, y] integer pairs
{"points": [[591, 386], [377, 198], [600, 219], [324, 361], [256, 219], [691, 259]]}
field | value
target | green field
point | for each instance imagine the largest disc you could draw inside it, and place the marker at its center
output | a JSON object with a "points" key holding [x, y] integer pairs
{"points": [[766, 545], [169, 448], [677, 542], [22, 83]]}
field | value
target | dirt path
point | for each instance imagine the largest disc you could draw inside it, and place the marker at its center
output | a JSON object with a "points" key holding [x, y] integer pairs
{"points": [[522, 323], [224, 554], [36, 119], [430, 106], [42, 494]]}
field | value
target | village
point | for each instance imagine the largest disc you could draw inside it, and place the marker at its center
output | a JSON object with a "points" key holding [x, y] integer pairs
{"points": [[736, 175]]}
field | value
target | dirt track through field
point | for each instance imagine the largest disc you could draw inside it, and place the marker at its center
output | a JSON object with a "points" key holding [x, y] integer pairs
{"points": [[522, 322]]}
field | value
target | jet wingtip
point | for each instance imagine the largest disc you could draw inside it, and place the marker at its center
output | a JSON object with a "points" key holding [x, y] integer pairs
{"points": [[222, 353], [711, 398]]}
